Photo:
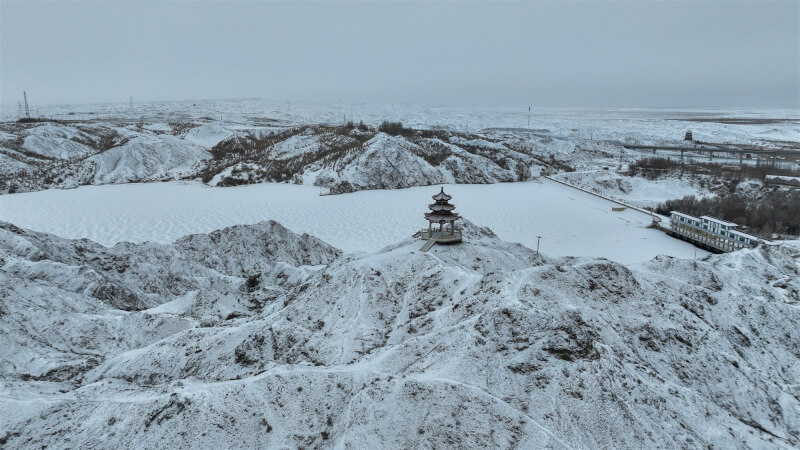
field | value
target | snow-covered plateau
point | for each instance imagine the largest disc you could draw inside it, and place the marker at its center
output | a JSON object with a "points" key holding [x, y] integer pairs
{"points": [[254, 336]]}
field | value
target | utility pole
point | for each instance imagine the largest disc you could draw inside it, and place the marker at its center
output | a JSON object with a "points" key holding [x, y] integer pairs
{"points": [[529, 117], [27, 110], [19, 109], [538, 238]]}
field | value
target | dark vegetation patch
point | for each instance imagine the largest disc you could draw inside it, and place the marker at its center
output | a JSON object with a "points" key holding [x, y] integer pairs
{"points": [[768, 211], [250, 350], [179, 128], [38, 119], [654, 168], [7, 436], [558, 165], [172, 408], [572, 339], [395, 129], [435, 152], [738, 120], [100, 140]]}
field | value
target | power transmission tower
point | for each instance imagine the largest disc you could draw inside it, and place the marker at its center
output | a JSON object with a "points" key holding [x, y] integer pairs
{"points": [[529, 117], [27, 110]]}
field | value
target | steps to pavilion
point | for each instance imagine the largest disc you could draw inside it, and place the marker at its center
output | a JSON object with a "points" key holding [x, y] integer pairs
{"points": [[428, 244]]}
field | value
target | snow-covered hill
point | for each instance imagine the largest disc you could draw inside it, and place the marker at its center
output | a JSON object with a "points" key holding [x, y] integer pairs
{"points": [[146, 159], [347, 160], [253, 336], [55, 141], [252, 142], [51, 154]]}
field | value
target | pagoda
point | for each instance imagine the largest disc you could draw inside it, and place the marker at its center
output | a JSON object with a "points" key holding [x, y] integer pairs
{"points": [[442, 213]]}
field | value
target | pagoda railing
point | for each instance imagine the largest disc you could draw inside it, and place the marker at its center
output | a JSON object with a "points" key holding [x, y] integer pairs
{"points": [[436, 234]]}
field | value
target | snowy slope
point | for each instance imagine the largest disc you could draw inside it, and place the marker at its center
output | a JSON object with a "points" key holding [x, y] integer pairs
{"points": [[82, 277], [482, 344], [146, 159], [294, 146], [346, 160], [208, 136], [386, 163], [69, 154], [57, 141], [10, 165]]}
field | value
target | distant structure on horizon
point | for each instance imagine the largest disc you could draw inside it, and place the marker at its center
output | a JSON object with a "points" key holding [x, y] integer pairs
{"points": [[441, 212], [27, 110]]}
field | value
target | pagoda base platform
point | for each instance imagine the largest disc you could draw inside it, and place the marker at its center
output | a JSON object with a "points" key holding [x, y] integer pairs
{"points": [[441, 237]]}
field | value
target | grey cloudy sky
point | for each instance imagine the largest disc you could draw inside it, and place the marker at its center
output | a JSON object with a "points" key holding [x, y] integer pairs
{"points": [[614, 54]]}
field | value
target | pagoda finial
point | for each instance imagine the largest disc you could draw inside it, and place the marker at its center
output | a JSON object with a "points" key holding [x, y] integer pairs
{"points": [[441, 196]]}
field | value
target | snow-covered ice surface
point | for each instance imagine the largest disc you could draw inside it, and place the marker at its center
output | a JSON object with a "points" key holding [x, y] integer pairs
{"points": [[571, 223]]}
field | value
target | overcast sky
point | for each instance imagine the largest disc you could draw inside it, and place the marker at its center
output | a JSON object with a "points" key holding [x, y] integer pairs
{"points": [[593, 54]]}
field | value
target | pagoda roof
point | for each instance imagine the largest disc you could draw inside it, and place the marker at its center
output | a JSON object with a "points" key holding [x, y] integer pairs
{"points": [[441, 207], [441, 217], [442, 196]]}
